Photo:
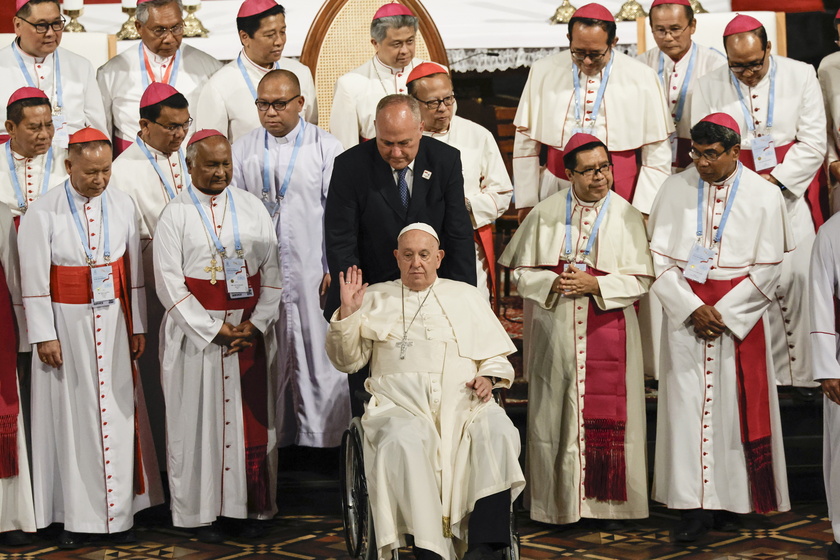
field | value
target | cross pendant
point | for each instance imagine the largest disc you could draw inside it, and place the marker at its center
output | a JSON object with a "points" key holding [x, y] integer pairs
{"points": [[404, 344], [213, 269]]}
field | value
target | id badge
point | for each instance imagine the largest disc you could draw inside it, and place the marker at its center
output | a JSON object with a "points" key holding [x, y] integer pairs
{"points": [[578, 265], [236, 279], [62, 135], [102, 286], [273, 206], [764, 153], [674, 145], [699, 263]]}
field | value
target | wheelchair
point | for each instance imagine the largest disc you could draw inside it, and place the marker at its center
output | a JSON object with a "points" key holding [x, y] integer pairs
{"points": [[359, 533]]}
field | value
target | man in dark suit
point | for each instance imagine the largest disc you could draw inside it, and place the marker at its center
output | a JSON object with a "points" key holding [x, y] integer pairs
{"points": [[381, 186]]}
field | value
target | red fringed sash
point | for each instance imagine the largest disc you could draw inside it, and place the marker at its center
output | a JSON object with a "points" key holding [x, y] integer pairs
{"points": [[753, 400], [817, 193], [626, 170], [484, 237], [9, 400], [253, 378]]}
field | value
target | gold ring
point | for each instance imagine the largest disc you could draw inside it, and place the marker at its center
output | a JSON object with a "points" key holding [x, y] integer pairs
{"points": [[710, 332]]}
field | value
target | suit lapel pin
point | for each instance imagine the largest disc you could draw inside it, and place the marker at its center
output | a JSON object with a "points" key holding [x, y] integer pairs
{"points": [[427, 174]]}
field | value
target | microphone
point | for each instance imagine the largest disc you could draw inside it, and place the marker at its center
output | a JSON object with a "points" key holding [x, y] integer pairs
{"points": [[485, 53]]}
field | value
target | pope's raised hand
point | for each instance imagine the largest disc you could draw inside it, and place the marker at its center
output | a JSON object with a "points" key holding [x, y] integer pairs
{"points": [[352, 291]]}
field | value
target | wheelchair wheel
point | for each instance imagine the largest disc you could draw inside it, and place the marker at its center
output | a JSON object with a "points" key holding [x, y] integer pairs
{"points": [[358, 522], [512, 553]]}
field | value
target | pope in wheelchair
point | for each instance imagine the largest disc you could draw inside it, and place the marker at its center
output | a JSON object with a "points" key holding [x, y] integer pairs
{"points": [[440, 455]]}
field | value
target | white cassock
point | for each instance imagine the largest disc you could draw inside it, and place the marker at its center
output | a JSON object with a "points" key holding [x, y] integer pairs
{"points": [[313, 406], [84, 412], [678, 93], [224, 105], [81, 103], [206, 403], [17, 510], [431, 448], [825, 272], [700, 458], [829, 76], [633, 122], [487, 186], [135, 175], [124, 78], [558, 368], [798, 121], [30, 173], [356, 94]]}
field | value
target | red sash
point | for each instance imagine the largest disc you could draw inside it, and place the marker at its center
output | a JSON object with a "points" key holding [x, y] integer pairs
{"points": [[484, 238], [253, 378], [9, 401], [683, 160], [71, 285], [4, 138], [626, 170], [753, 400], [120, 145], [816, 194], [605, 401]]}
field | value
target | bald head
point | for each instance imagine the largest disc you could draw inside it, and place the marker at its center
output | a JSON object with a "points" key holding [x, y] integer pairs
{"points": [[279, 102], [399, 128]]}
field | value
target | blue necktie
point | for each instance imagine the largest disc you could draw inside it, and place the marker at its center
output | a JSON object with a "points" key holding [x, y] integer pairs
{"points": [[403, 186]]}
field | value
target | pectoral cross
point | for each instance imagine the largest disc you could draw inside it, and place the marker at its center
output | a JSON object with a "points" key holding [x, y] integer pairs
{"points": [[404, 344], [213, 269]]}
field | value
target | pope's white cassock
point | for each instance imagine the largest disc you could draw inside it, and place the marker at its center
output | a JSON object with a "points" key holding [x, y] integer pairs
{"points": [[17, 510], [221, 442], [80, 101], [124, 78], [825, 275], [86, 472], [356, 95], [431, 448], [134, 174], [487, 186], [559, 367], [33, 176], [633, 122], [223, 103], [701, 461], [799, 136], [313, 403], [829, 76], [697, 62]]}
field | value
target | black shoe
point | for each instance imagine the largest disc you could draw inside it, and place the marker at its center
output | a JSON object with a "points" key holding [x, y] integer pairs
{"points": [[483, 552], [726, 521], [69, 540], [423, 554], [209, 534], [17, 538], [689, 530], [250, 529], [834, 551], [612, 525], [123, 537]]}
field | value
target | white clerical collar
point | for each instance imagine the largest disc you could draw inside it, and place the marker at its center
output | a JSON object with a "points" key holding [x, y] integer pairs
{"points": [[442, 136], [159, 60], [256, 67], [79, 197], [682, 62], [420, 292], [155, 151], [579, 202], [385, 66], [289, 137], [36, 59], [728, 181], [209, 198], [19, 158]]}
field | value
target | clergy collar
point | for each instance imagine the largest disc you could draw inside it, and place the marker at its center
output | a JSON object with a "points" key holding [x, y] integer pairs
{"points": [[289, 137], [82, 198], [19, 158], [410, 291], [386, 67], [728, 181], [254, 65], [154, 150], [155, 58], [208, 198], [579, 202], [38, 60], [683, 59]]}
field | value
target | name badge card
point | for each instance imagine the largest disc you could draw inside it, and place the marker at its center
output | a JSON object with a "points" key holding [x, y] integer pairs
{"points": [[699, 263], [62, 133], [102, 286], [236, 279], [764, 153], [578, 265]]}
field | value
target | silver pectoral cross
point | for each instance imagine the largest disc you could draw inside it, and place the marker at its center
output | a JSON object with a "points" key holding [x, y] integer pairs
{"points": [[404, 344]]}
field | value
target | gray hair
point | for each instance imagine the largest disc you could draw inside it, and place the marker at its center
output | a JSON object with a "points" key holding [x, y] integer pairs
{"points": [[191, 151], [142, 13], [380, 26], [397, 99]]}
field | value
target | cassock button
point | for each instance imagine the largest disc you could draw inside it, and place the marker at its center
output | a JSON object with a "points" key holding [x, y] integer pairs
{"points": [[30, 192], [705, 453], [580, 322], [706, 413], [706, 426], [756, 109], [101, 382], [784, 308], [708, 400], [705, 467], [90, 220], [93, 235], [111, 505], [591, 81], [227, 423], [708, 386], [674, 102], [755, 96], [579, 307], [110, 477], [709, 359], [675, 87], [791, 346], [787, 321], [227, 468], [708, 373], [590, 91], [705, 481], [227, 400], [709, 345], [581, 338], [401, 90], [718, 201], [93, 248], [104, 423], [103, 410], [793, 359], [105, 436], [705, 440], [110, 519]]}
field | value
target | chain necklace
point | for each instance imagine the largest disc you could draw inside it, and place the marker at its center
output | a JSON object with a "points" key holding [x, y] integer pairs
{"points": [[214, 264], [405, 343]]}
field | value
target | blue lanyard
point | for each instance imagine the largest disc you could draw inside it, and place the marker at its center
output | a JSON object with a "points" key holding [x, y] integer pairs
{"points": [[169, 189], [45, 184], [598, 98], [216, 241], [247, 77], [701, 206], [59, 90], [80, 228], [144, 74], [771, 105], [595, 227], [686, 79], [266, 172]]}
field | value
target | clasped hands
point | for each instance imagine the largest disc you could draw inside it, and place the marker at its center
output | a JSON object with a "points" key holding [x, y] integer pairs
{"points": [[708, 322], [575, 283], [236, 338]]}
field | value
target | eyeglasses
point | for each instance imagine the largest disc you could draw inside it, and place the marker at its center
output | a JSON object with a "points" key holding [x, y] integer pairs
{"points": [[277, 105], [590, 173], [175, 127], [593, 57], [176, 30], [710, 155], [674, 32], [42, 28], [434, 104], [752, 67]]}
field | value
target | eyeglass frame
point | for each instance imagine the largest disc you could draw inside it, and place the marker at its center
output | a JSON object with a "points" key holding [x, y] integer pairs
{"points": [[277, 105], [674, 33], [434, 104], [590, 173], [594, 57], [753, 67], [173, 128], [160, 32], [696, 155], [47, 25]]}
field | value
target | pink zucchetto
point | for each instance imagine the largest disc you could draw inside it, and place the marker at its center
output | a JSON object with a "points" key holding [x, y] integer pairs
{"points": [[20, 4], [425, 69], [155, 93], [722, 119], [203, 134], [662, 2], [253, 7], [741, 24], [577, 140], [27, 93], [87, 134], [594, 11], [392, 9]]}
